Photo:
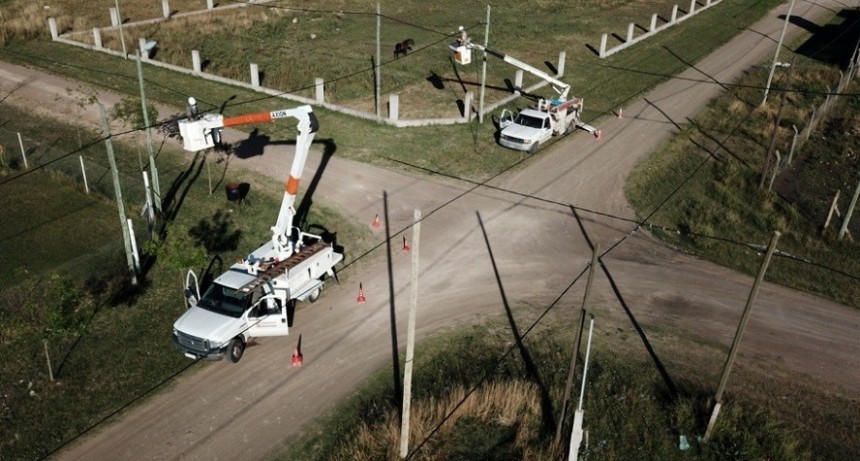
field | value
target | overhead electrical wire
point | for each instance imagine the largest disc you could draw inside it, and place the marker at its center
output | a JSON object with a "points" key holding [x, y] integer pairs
{"points": [[639, 223]]}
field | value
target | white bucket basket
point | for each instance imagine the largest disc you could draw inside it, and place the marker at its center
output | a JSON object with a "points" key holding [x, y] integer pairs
{"points": [[462, 54]]}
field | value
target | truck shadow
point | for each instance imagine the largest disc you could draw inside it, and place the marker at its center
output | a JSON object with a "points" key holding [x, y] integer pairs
{"points": [[830, 43]]}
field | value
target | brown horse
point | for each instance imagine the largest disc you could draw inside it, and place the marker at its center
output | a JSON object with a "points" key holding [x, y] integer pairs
{"points": [[403, 47]]}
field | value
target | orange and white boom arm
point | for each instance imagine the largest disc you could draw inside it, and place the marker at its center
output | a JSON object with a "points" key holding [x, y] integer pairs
{"points": [[203, 132]]}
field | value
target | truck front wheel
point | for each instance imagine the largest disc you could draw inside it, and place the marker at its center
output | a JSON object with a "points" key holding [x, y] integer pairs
{"points": [[235, 349], [534, 148]]}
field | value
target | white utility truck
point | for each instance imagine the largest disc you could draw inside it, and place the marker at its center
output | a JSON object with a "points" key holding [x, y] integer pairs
{"points": [[530, 128], [252, 298]]}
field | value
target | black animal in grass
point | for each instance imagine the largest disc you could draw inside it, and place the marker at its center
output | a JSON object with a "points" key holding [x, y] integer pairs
{"points": [[403, 48]]}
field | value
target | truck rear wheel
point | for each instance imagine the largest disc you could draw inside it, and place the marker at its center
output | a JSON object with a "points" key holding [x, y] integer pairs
{"points": [[570, 127], [235, 349], [314, 295]]}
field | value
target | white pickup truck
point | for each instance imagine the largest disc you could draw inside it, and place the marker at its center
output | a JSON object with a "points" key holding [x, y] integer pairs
{"points": [[531, 128]]}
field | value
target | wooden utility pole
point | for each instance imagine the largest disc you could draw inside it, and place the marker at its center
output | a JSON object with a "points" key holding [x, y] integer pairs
{"points": [[577, 339], [739, 333], [410, 340], [153, 171], [844, 228], [377, 67], [118, 192], [776, 54], [484, 69]]}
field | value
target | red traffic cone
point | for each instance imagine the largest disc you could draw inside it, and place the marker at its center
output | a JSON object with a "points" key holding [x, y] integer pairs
{"points": [[297, 357], [361, 299], [375, 223], [598, 134], [620, 112], [406, 246]]}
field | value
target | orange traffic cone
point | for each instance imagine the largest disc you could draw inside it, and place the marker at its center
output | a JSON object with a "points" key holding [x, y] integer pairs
{"points": [[406, 246], [297, 357], [621, 112], [598, 134], [361, 299], [375, 224]]}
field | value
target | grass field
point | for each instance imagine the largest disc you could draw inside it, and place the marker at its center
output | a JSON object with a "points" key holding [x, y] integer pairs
{"points": [[134, 338], [463, 150], [721, 153], [65, 279], [474, 398]]}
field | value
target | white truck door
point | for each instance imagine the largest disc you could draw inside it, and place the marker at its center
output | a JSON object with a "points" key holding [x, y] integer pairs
{"points": [[192, 292], [268, 317], [506, 118]]}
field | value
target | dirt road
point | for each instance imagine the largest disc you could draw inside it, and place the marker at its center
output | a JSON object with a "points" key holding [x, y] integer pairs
{"points": [[245, 411]]}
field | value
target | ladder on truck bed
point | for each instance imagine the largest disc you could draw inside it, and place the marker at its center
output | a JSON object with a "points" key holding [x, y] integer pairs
{"points": [[270, 271]]}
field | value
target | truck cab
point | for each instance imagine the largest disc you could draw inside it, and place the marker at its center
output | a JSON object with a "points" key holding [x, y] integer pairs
{"points": [[222, 321], [526, 131]]}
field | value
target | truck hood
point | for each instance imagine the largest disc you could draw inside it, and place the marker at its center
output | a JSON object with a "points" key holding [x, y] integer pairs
{"points": [[522, 132], [205, 324]]}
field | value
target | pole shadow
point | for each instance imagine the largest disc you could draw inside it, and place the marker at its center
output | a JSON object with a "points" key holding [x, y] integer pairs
{"points": [[661, 369], [395, 351], [532, 373]]}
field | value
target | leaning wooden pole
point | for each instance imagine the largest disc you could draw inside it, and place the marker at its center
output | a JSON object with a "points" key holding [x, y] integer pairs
{"points": [[153, 171], [595, 253], [377, 67], [410, 340], [118, 192], [741, 327]]}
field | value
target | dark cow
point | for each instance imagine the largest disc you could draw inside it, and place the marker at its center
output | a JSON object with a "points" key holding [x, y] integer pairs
{"points": [[403, 48]]}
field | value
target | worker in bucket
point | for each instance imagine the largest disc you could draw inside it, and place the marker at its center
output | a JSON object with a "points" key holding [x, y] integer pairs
{"points": [[464, 38], [193, 111]]}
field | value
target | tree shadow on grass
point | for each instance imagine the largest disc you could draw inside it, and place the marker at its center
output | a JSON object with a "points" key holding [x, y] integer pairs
{"points": [[217, 233]]}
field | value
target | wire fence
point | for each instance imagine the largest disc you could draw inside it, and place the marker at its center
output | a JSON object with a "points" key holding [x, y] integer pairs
{"points": [[88, 171]]}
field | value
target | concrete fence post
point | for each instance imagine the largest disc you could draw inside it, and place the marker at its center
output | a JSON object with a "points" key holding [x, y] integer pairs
{"points": [[653, 23], [692, 7], [84, 174], [195, 60], [630, 32], [165, 8], [467, 105], [255, 74], [210, 4], [23, 151], [674, 14], [707, 3], [114, 17], [562, 57], [810, 127], [603, 45], [793, 144], [97, 37], [319, 90], [518, 81], [144, 53], [52, 24], [393, 107]]}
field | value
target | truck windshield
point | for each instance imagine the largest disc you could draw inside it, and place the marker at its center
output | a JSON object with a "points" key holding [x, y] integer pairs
{"points": [[223, 300], [529, 121]]}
